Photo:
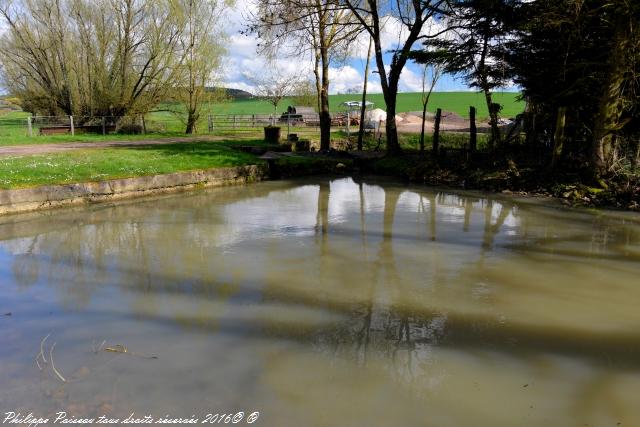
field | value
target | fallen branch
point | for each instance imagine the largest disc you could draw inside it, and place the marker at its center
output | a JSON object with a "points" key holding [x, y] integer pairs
{"points": [[119, 348], [44, 359], [53, 366]]}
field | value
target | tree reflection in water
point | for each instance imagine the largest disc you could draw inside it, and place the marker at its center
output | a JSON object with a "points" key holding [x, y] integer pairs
{"points": [[401, 279]]}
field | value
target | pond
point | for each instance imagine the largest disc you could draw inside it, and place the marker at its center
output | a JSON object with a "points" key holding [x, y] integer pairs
{"points": [[323, 302]]}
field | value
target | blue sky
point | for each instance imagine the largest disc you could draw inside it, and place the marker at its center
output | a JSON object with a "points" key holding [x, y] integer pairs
{"points": [[243, 63]]}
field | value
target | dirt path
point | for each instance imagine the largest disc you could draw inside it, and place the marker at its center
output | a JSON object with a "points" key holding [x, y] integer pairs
{"points": [[25, 150], [412, 123]]}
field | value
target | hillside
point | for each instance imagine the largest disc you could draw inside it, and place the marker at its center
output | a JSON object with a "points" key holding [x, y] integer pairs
{"points": [[234, 94], [457, 102]]}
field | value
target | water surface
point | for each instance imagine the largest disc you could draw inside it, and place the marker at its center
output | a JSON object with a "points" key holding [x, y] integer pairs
{"points": [[325, 303]]}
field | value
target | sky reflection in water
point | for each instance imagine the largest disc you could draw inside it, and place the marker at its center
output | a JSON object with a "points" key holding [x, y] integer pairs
{"points": [[326, 302]]}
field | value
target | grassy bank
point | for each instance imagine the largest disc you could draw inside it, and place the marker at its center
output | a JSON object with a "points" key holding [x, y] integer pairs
{"points": [[104, 164]]}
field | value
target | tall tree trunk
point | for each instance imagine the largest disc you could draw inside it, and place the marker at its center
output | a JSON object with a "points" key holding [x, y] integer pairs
{"points": [[389, 92], [473, 130], [363, 107], [390, 98], [425, 97], [484, 85], [192, 118], [558, 136], [316, 72], [607, 119], [325, 115], [495, 140], [435, 149], [424, 119]]}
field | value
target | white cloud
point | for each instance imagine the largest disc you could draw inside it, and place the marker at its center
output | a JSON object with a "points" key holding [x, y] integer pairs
{"points": [[243, 60], [393, 33], [410, 81], [358, 49], [345, 78], [239, 15]]}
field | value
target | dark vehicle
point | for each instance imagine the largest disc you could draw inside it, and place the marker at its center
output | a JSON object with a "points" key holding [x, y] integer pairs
{"points": [[296, 115]]}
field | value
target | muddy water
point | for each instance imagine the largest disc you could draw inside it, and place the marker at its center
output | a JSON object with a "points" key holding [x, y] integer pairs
{"points": [[324, 303]]}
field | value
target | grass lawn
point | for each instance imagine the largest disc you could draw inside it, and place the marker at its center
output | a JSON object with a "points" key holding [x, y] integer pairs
{"points": [[95, 164], [447, 140], [13, 131], [103, 164]]}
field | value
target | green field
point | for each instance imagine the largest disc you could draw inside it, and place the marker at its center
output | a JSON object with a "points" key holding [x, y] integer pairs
{"points": [[163, 122], [457, 102]]}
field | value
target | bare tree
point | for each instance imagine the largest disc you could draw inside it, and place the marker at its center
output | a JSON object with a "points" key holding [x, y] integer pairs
{"points": [[430, 75], [321, 28], [276, 85], [305, 94], [411, 18]]}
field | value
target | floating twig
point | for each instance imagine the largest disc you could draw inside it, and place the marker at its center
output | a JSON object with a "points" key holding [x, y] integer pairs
{"points": [[53, 366], [119, 348], [44, 359]]}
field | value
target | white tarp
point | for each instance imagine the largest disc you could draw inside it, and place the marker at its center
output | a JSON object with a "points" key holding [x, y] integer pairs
{"points": [[376, 115]]}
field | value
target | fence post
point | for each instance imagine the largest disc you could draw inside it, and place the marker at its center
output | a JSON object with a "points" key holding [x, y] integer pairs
{"points": [[288, 125], [253, 120], [29, 127], [473, 137], [209, 123], [73, 130], [348, 120], [436, 132], [104, 125]]}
